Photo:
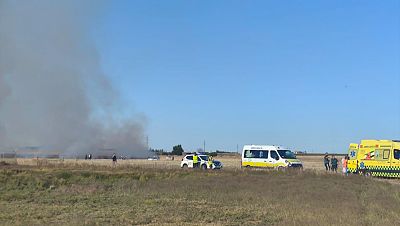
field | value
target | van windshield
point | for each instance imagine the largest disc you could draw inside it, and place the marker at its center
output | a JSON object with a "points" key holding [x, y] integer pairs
{"points": [[287, 154]]}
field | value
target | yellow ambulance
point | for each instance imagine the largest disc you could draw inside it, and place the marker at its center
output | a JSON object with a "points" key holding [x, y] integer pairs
{"points": [[379, 158]]}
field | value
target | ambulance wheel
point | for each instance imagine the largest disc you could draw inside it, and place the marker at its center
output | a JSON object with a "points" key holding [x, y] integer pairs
{"points": [[365, 173]]}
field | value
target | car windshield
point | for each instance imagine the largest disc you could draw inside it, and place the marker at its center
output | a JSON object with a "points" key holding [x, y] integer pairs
{"points": [[287, 154], [204, 157]]}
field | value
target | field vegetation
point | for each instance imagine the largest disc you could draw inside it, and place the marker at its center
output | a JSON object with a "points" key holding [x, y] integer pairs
{"points": [[98, 194]]}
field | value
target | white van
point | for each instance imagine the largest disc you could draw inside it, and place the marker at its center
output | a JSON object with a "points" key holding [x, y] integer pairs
{"points": [[269, 156]]}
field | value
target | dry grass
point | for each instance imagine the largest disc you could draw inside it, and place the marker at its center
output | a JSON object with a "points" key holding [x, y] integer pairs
{"points": [[81, 192], [230, 162]]}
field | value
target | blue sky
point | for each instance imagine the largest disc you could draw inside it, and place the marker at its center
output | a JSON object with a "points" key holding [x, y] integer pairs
{"points": [[310, 75]]}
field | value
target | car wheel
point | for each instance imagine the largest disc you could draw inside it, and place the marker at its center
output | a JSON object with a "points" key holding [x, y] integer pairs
{"points": [[185, 166], [204, 166]]}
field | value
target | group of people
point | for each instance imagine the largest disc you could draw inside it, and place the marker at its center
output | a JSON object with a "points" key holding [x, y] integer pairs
{"points": [[88, 156], [331, 164], [196, 161]]}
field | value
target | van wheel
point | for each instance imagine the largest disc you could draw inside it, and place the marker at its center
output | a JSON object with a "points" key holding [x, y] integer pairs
{"points": [[204, 166], [185, 166], [362, 172]]}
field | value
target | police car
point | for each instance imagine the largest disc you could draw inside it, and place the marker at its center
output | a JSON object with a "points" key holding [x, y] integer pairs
{"points": [[187, 162]]}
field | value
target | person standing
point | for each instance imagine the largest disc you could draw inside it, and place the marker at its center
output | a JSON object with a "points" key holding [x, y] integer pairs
{"points": [[195, 160], [334, 164], [114, 159], [326, 162], [344, 164], [210, 162]]}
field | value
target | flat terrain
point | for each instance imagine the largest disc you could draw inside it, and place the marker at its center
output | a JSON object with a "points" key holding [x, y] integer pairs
{"points": [[77, 192], [230, 162]]}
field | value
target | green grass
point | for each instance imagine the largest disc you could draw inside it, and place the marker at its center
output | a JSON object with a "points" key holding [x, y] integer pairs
{"points": [[132, 195]]}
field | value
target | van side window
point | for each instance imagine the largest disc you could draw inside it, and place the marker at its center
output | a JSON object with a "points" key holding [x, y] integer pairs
{"points": [[378, 154], [397, 154], [252, 154], [189, 157], [256, 153], [247, 154], [386, 153], [264, 154], [274, 155]]}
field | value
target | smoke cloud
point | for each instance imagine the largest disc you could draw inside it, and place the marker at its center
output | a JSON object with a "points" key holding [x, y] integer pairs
{"points": [[53, 93]]}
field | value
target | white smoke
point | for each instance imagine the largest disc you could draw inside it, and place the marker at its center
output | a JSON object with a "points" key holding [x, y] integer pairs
{"points": [[53, 93]]}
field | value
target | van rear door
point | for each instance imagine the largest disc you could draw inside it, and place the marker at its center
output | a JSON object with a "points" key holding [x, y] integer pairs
{"points": [[353, 158], [247, 158]]}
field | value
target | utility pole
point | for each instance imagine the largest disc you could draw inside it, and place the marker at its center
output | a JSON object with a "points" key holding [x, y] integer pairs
{"points": [[204, 146], [237, 148]]}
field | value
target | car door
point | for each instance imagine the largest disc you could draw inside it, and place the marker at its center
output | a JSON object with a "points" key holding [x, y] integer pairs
{"points": [[258, 160], [264, 159], [395, 163], [189, 161], [274, 158]]}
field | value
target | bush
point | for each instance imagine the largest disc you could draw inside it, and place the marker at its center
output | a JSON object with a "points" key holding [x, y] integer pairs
{"points": [[177, 150]]}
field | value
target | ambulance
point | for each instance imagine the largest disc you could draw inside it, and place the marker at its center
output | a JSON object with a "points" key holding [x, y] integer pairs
{"points": [[269, 156], [379, 158]]}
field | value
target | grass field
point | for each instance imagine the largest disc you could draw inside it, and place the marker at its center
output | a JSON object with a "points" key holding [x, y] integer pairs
{"points": [[230, 162], [72, 192]]}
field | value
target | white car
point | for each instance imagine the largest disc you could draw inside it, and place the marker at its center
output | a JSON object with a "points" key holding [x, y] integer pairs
{"points": [[153, 158], [187, 162]]}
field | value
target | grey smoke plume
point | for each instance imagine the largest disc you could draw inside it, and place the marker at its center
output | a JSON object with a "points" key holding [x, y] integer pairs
{"points": [[53, 93]]}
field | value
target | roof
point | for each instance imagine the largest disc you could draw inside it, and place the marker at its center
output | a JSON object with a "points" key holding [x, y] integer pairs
{"points": [[264, 147]]}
